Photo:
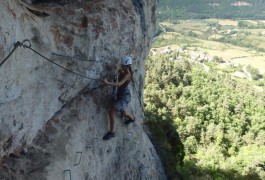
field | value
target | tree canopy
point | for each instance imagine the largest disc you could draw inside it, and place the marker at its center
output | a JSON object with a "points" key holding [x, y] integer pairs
{"points": [[203, 9], [219, 118]]}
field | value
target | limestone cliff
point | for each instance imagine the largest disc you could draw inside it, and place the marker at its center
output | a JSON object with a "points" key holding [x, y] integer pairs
{"points": [[51, 120]]}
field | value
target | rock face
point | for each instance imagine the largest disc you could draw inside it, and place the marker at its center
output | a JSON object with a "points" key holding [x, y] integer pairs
{"points": [[51, 120]]}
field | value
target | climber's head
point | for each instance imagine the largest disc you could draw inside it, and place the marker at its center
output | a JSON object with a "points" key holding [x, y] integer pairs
{"points": [[126, 60], [126, 63]]}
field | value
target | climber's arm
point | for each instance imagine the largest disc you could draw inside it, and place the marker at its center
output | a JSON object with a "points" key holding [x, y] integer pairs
{"points": [[118, 84]]}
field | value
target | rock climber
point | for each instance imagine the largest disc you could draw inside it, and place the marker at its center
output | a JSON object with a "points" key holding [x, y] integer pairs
{"points": [[125, 75]]}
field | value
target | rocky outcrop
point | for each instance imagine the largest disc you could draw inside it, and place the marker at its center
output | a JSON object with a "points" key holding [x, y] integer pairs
{"points": [[52, 121]]}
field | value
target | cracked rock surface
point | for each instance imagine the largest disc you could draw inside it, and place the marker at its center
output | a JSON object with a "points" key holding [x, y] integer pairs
{"points": [[52, 121]]}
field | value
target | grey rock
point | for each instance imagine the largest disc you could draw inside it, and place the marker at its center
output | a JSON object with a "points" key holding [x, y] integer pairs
{"points": [[52, 121]]}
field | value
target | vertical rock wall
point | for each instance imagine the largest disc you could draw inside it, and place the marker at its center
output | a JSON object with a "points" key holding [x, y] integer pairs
{"points": [[52, 121]]}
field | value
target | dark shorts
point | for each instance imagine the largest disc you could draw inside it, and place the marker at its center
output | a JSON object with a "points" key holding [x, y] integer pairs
{"points": [[123, 101]]}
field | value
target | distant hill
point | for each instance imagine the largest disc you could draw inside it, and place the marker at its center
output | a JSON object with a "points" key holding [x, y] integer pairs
{"points": [[203, 9]]}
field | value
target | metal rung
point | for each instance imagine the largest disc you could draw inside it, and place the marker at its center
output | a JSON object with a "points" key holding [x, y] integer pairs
{"points": [[68, 170], [79, 158]]}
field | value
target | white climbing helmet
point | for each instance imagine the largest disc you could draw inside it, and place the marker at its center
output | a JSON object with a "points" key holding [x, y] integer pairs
{"points": [[126, 60]]}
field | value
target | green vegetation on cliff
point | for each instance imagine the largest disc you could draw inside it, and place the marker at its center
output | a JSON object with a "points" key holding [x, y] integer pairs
{"points": [[204, 9], [219, 118]]}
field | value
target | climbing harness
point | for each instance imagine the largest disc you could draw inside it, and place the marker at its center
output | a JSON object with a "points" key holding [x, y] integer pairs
{"points": [[27, 44], [114, 88]]}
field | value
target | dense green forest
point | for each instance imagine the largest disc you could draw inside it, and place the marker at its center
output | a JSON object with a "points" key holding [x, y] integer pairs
{"points": [[207, 116], [203, 9], [219, 118]]}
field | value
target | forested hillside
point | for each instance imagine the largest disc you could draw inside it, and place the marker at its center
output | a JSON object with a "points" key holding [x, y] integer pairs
{"points": [[203, 9], [220, 118], [204, 89]]}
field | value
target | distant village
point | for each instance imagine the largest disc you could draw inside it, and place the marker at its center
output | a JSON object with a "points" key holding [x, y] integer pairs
{"points": [[199, 57]]}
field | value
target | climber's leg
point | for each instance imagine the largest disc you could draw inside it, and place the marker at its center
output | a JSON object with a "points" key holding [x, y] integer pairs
{"points": [[130, 119], [111, 119], [124, 113], [111, 133]]}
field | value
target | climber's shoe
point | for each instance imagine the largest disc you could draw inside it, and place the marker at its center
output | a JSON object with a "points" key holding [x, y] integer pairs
{"points": [[129, 121], [108, 135]]}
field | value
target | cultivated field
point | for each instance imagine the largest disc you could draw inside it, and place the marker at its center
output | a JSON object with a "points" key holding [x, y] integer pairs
{"points": [[239, 42]]}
